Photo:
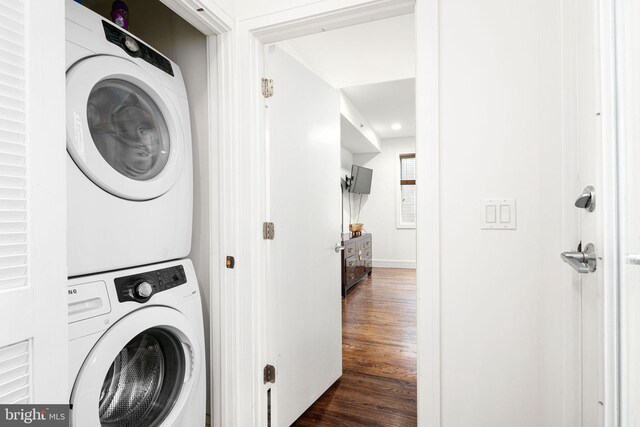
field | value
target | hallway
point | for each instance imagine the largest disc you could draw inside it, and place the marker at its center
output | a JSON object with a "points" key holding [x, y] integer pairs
{"points": [[378, 384]]}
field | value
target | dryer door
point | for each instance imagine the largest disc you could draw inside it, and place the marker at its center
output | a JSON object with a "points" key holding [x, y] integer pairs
{"points": [[140, 373], [123, 132]]}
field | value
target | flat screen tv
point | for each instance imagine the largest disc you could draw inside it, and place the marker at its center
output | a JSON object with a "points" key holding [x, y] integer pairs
{"points": [[360, 180]]}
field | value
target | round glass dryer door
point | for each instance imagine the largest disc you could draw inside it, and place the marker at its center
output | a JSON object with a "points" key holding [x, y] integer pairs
{"points": [[122, 130], [143, 381], [141, 372]]}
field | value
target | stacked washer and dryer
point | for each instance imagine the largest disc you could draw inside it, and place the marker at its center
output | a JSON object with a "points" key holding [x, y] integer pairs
{"points": [[136, 341]]}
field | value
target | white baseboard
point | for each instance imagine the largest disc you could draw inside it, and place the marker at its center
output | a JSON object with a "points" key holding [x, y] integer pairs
{"points": [[392, 263]]}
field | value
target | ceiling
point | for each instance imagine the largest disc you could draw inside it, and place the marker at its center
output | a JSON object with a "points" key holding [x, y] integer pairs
{"points": [[374, 66], [386, 104], [377, 51]]}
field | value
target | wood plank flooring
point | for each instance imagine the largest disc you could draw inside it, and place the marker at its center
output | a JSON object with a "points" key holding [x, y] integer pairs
{"points": [[378, 383]]}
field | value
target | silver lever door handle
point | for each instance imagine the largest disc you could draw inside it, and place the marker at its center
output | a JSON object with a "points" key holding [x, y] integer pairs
{"points": [[582, 261], [339, 248]]}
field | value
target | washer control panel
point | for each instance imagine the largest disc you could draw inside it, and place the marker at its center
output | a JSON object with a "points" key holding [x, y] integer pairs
{"points": [[136, 48], [142, 286]]}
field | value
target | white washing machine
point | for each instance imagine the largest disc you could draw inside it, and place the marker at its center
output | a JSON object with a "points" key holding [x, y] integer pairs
{"points": [[130, 172], [136, 348]]}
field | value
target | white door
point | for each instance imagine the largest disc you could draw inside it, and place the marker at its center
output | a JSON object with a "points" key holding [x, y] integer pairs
{"points": [[33, 313], [305, 326]]}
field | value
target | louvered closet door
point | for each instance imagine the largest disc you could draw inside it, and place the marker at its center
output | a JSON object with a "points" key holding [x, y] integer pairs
{"points": [[32, 203]]}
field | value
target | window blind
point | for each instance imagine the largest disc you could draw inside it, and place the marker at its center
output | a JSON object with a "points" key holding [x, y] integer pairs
{"points": [[408, 188]]}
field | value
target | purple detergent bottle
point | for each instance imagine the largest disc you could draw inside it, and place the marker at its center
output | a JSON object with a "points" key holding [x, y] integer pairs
{"points": [[120, 14]]}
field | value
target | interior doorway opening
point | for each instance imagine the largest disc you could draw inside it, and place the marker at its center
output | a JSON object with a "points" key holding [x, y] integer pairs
{"points": [[371, 67]]}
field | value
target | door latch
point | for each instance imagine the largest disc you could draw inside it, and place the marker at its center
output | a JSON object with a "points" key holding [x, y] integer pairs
{"points": [[582, 261]]}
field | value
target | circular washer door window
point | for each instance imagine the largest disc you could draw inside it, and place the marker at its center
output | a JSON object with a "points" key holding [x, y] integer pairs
{"points": [[122, 130], [128, 129], [143, 381], [142, 371]]}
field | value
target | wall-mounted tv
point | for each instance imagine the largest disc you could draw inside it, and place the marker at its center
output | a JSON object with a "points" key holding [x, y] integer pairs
{"points": [[360, 180]]}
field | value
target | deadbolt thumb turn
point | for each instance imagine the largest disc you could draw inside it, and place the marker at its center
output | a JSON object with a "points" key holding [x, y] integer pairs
{"points": [[587, 199], [581, 261]]}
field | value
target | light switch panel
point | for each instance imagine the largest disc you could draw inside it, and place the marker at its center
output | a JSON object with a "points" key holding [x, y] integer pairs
{"points": [[498, 214]]}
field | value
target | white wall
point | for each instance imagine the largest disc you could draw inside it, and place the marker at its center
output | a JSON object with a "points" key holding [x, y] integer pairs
{"points": [[501, 136], [346, 161], [392, 246], [500, 133], [360, 123]]}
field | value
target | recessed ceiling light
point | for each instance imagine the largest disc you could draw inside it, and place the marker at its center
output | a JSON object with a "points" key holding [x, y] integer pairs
{"points": [[396, 126]]}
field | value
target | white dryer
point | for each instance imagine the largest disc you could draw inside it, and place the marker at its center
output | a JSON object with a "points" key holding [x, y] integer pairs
{"points": [[130, 173], [136, 348]]}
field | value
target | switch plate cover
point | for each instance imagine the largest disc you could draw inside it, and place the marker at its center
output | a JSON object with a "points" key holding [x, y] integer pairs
{"points": [[498, 214]]}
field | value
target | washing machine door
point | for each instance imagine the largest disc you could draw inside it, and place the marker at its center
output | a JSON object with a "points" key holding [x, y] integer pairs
{"points": [[140, 373], [123, 131]]}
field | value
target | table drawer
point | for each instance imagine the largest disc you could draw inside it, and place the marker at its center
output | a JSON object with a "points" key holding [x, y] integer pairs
{"points": [[351, 275], [349, 249], [367, 243], [350, 262]]}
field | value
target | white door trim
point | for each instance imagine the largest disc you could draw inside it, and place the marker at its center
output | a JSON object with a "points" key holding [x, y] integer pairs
{"points": [[248, 311], [428, 210], [205, 15], [607, 71]]}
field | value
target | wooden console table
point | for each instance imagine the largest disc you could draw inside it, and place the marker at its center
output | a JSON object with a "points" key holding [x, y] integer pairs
{"points": [[356, 261]]}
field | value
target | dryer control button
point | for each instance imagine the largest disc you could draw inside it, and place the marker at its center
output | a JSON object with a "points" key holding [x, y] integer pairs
{"points": [[144, 290]]}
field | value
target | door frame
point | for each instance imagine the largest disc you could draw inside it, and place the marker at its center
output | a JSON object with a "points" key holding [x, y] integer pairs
{"points": [[608, 46], [248, 159]]}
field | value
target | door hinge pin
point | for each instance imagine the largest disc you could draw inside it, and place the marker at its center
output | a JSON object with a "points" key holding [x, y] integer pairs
{"points": [[268, 231], [269, 374], [267, 88]]}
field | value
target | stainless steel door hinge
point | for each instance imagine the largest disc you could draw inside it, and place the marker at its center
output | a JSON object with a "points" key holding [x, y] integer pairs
{"points": [[268, 231], [269, 374], [267, 88]]}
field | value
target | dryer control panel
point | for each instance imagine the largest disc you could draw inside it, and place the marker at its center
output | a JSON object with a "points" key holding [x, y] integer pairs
{"points": [[136, 48], [142, 286]]}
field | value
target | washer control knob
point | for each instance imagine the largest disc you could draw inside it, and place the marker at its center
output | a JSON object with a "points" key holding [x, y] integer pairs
{"points": [[131, 45], [143, 290]]}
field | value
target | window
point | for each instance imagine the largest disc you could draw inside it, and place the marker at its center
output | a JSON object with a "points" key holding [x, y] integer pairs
{"points": [[407, 191]]}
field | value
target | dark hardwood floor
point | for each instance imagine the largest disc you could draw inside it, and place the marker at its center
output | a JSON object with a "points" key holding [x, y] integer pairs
{"points": [[378, 383]]}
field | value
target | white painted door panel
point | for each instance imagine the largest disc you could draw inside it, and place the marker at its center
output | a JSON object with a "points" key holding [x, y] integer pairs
{"points": [[305, 326]]}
